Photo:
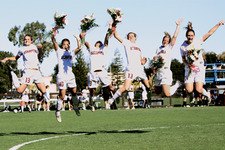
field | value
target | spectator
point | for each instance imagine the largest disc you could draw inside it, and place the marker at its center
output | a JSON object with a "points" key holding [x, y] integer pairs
{"points": [[39, 100], [25, 99], [85, 97], [144, 96], [184, 92], [130, 97], [47, 99]]}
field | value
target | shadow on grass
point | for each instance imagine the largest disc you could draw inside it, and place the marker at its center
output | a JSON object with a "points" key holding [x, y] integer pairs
{"points": [[73, 132]]}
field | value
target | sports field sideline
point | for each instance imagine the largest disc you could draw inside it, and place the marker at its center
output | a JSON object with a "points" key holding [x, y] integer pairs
{"points": [[156, 128]]}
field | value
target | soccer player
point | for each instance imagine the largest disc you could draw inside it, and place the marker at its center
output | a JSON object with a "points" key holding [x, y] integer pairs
{"points": [[31, 55], [25, 99], [164, 75], [85, 97], [130, 97], [65, 76], [134, 67], [195, 70], [97, 72]]}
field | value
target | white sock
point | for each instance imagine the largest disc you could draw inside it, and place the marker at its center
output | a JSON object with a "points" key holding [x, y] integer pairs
{"points": [[173, 89], [22, 108], [39, 107], [28, 107], [15, 80], [59, 104], [205, 93], [116, 95]]}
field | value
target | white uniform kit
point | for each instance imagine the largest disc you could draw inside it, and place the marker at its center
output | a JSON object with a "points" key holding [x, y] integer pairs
{"points": [[25, 96], [164, 74], [199, 74], [97, 71], [31, 71], [85, 94], [130, 94], [47, 95], [65, 76], [134, 68]]}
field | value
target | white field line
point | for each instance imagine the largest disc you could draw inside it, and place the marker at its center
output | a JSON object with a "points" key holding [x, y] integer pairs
{"points": [[149, 128]]}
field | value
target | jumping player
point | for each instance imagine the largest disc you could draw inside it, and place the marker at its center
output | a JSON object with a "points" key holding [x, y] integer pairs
{"points": [[164, 75], [195, 71], [31, 73], [65, 76], [97, 71], [134, 67]]}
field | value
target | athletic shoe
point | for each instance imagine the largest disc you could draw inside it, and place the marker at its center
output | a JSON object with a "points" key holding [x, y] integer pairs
{"points": [[30, 110], [92, 108], [76, 109], [128, 108], [58, 116], [63, 110], [133, 108]]}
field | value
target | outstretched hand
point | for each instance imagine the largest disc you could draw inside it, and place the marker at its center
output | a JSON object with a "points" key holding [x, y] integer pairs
{"points": [[39, 45], [179, 21], [221, 22]]}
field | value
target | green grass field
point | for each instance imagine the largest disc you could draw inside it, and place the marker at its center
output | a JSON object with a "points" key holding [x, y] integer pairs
{"points": [[156, 128]]}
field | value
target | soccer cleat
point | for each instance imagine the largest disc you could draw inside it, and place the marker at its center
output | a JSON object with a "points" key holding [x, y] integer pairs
{"points": [[29, 110], [76, 109], [58, 116], [127, 108], [133, 108], [107, 106], [92, 108]]}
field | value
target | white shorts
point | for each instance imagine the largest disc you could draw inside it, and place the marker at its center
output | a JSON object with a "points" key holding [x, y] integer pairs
{"points": [[25, 98], [66, 83], [133, 74], [198, 76], [164, 76], [84, 99], [94, 78], [30, 76], [144, 96], [130, 95]]}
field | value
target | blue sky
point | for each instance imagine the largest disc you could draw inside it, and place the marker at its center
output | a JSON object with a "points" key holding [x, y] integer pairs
{"points": [[148, 18]]}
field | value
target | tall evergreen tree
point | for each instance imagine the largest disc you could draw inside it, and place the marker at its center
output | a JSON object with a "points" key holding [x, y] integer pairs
{"points": [[116, 67], [5, 77]]}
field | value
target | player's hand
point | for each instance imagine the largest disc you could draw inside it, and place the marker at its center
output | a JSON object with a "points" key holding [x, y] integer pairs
{"points": [[39, 45]]}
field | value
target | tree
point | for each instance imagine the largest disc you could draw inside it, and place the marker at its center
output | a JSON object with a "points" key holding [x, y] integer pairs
{"points": [[210, 57], [116, 67], [5, 77], [80, 69], [37, 31], [177, 69]]}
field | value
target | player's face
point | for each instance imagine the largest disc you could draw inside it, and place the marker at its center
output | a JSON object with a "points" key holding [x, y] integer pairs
{"points": [[165, 41], [27, 40], [131, 37], [190, 37], [66, 45], [97, 45]]}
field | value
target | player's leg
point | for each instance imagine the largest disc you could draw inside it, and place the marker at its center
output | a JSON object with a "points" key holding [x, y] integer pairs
{"points": [[75, 100]]}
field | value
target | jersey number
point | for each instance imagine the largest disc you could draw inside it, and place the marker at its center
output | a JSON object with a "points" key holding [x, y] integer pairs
{"points": [[130, 75], [27, 80]]}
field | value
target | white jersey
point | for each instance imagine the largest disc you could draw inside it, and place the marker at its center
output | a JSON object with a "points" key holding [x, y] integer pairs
{"points": [[85, 93], [30, 56], [97, 58], [166, 54], [129, 90], [133, 55], [47, 95], [65, 62], [196, 44]]}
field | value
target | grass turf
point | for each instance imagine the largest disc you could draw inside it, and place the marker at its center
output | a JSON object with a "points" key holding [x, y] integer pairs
{"points": [[155, 128]]}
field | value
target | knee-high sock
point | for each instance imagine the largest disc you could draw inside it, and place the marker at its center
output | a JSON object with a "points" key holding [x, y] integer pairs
{"points": [[207, 94], [15, 80], [116, 95], [59, 104], [173, 89]]}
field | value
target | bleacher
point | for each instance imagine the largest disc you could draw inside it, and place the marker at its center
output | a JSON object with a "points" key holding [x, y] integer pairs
{"points": [[212, 68]]}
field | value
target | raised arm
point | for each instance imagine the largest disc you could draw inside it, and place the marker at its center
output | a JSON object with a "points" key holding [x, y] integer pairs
{"points": [[78, 45], [55, 45], [143, 60], [173, 41], [10, 59], [207, 35], [39, 46], [117, 36]]}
